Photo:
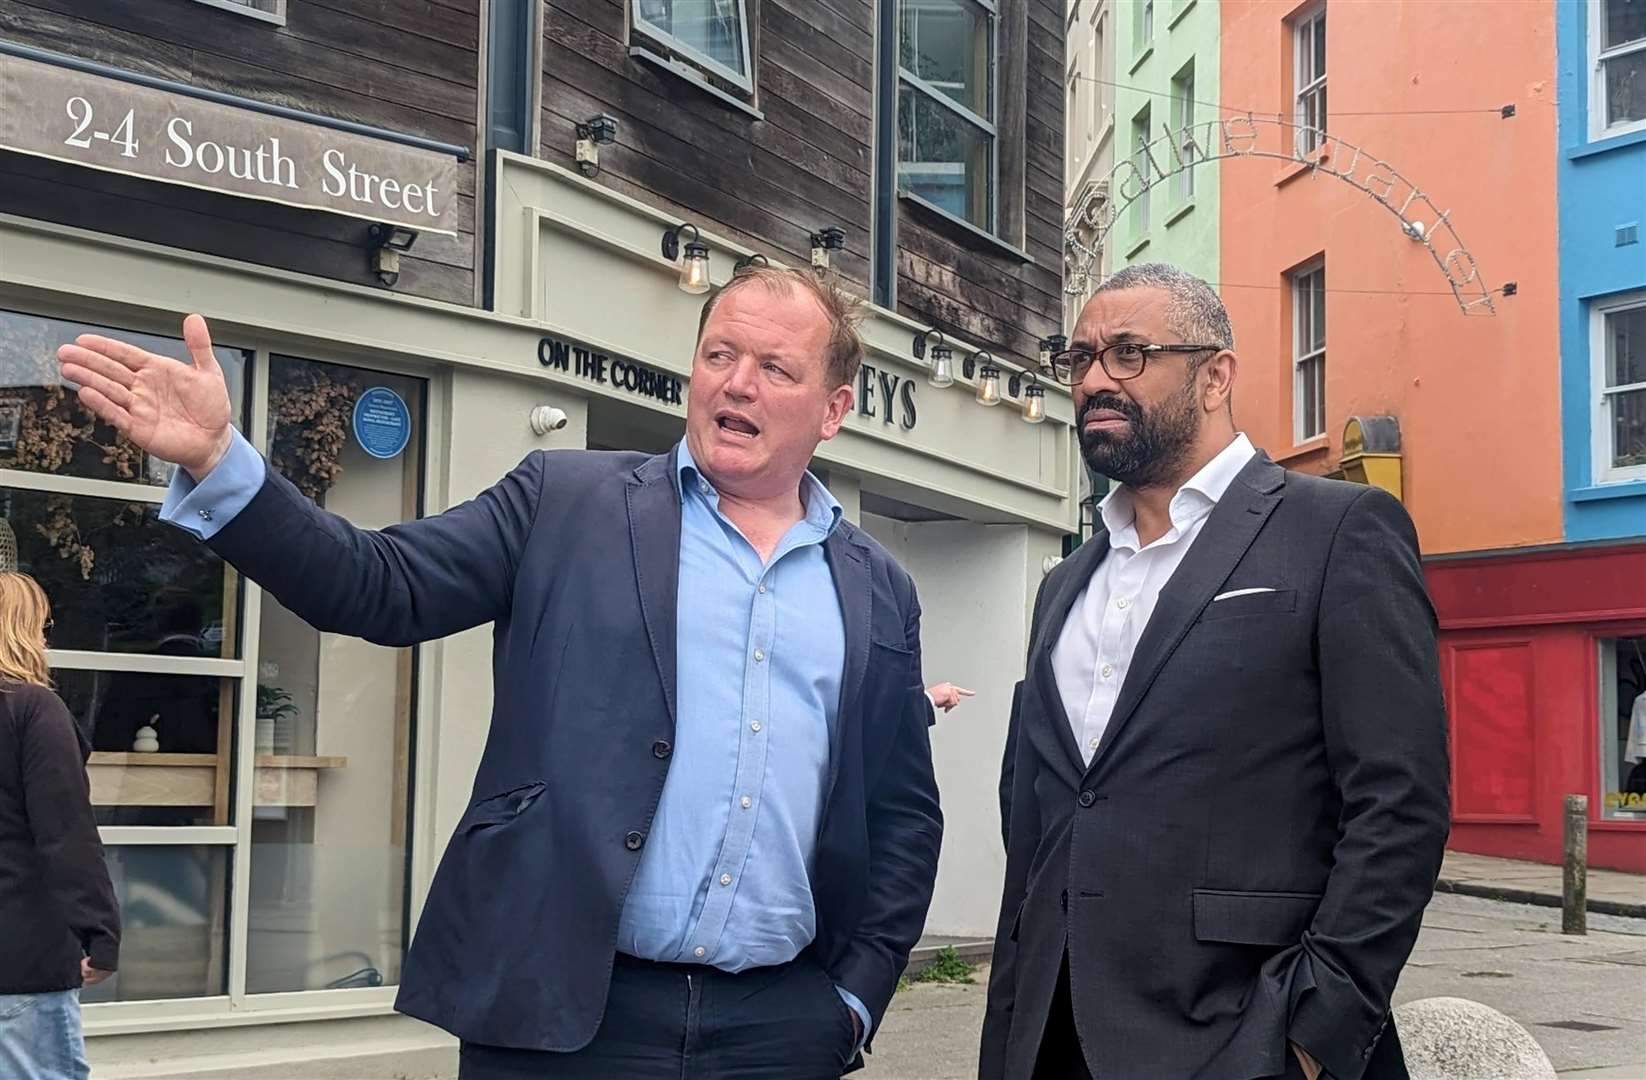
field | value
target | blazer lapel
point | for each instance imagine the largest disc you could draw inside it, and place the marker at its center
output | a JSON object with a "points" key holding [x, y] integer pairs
{"points": [[1057, 745], [849, 565], [654, 535], [1223, 541]]}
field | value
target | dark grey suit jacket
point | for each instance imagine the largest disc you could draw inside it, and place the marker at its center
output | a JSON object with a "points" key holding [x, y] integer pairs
{"points": [[1247, 858]]}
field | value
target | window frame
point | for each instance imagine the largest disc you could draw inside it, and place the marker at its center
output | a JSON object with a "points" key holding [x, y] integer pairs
{"points": [[276, 17], [989, 128], [1604, 472], [1598, 59], [1137, 147], [1297, 278], [1184, 123], [1609, 776], [1307, 142], [641, 27]]}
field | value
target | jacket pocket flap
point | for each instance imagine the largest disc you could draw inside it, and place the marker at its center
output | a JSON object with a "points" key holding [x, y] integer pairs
{"points": [[1253, 918], [504, 806]]}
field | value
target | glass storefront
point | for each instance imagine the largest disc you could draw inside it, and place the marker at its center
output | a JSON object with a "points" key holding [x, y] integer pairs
{"points": [[166, 658], [1623, 728]]}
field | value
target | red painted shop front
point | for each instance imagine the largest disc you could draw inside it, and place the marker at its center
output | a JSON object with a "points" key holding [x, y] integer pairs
{"points": [[1543, 657]]}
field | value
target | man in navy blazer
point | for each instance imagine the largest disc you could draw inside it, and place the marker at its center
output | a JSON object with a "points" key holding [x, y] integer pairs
{"points": [[704, 831]]}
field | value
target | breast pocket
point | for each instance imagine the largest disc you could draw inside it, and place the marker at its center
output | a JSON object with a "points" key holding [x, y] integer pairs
{"points": [[1275, 602]]}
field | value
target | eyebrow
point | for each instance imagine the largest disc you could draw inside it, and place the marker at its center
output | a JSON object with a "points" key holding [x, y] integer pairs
{"points": [[1124, 335]]}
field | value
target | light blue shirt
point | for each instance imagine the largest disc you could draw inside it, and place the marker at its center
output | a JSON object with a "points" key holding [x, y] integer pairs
{"points": [[725, 876]]}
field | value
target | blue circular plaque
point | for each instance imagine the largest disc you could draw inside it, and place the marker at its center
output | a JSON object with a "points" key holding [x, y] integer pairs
{"points": [[382, 423]]}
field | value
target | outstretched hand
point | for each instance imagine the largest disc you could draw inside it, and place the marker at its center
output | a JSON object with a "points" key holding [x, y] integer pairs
{"points": [[177, 412]]}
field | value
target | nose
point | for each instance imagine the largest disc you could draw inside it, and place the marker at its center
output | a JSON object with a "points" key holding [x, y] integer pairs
{"points": [[744, 380], [1096, 381]]}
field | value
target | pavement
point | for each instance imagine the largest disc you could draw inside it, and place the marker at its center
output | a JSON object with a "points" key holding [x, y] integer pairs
{"points": [[1582, 998], [1611, 892]]}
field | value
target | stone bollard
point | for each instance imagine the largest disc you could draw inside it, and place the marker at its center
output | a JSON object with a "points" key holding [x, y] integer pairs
{"points": [[1448, 1038]]}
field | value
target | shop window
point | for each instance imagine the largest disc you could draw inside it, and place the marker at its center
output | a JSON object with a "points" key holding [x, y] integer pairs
{"points": [[1618, 349], [174, 905], [1309, 352], [334, 715], [712, 35], [1623, 728], [1309, 80], [946, 107], [1617, 95]]}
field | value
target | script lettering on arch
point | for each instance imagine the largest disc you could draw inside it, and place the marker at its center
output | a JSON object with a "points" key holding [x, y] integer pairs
{"points": [[1104, 202]]}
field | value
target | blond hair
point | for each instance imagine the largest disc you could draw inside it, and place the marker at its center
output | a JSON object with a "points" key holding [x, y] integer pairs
{"points": [[24, 611], [844, 352]]}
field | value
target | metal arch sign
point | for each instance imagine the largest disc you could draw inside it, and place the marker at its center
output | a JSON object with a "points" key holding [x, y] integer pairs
{"points": [[1172, 152]]}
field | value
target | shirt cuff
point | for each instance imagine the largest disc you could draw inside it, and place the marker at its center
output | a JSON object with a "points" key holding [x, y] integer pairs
{"points": [[862, 1012], [204, 508]]}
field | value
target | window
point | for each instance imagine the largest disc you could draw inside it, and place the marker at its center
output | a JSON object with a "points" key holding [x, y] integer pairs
{"points": [[1619, 358], [1309, 80], [1623, 728], [1183, 125], [1145, 24], [946, 107], [273, 11], [1309, 352], [1617, 35], [220, 724], [1140, 143], [1101, 90], [711, 34]]}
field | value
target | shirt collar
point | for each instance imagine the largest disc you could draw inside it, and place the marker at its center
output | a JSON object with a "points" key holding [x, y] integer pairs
{"points": [[823, 510], [1196, 498]]}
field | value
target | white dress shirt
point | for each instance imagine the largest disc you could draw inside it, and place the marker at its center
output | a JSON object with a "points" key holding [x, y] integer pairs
{"points": [[1094, 652]]}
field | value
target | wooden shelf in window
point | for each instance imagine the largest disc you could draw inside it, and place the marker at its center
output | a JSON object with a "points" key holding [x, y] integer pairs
{"points": [[132, 779]]}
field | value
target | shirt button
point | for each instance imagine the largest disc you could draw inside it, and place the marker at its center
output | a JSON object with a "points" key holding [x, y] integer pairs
{"points": [[1093, 745], [746, 802], [725, 879], [704, 487], [759, 655], [755, 726], [1108, 670], [700, 952], [633, 841], [761, 588], [1087, 798], [1123, 603]]}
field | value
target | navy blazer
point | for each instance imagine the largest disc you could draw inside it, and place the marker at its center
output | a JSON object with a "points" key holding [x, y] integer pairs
{"points": [[574, 556]]}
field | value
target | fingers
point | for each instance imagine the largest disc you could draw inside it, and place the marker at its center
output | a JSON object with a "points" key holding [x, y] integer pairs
{"points": [[198, 338], [121, 353], [106, 410], [963, 692], [111, 387]]}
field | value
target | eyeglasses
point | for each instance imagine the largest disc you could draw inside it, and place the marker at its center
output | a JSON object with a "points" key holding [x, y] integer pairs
{"points": [[1121, 361]]}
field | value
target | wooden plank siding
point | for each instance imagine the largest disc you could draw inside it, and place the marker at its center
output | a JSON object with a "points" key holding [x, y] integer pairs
{"points": [[770, 183], [406, 65]]}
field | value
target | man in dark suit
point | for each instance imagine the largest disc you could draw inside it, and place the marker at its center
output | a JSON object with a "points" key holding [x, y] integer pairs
{"points": [[704, 831], [1229, 778]]}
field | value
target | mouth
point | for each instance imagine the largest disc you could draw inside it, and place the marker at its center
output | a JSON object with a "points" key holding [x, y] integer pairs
{"points": [[1104, 420], [736, 425]]}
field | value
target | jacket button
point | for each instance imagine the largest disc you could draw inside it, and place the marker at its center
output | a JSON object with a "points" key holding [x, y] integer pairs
{"points": [[1087, 798], [661, 749], [633, 841]]}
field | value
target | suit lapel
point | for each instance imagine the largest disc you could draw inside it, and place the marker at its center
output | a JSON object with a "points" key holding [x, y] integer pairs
{"points": [[1056, 740], [849, 565], [654, 535], [1223, 541]]}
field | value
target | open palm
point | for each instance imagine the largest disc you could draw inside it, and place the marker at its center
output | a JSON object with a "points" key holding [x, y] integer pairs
{"points": [[177, 412]]}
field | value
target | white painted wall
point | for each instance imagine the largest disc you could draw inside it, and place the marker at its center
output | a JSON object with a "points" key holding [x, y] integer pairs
{"points": [[977, 585]]}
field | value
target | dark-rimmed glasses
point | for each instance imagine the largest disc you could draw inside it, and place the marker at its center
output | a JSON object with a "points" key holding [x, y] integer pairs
{"points": [[1121, 361]]}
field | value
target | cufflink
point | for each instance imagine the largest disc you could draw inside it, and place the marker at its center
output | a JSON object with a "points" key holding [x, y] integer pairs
{"points": [[205, 515]]}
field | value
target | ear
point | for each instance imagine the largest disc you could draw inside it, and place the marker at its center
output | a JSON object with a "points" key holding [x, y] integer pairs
{"points": [[1220, 371], [840, 404]]}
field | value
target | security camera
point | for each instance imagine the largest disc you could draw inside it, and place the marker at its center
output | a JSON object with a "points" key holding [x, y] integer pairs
{"points": [[547, 418]]}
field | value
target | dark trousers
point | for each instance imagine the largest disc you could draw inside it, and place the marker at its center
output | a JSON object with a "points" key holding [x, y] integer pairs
{"points": [[686, 1022]]}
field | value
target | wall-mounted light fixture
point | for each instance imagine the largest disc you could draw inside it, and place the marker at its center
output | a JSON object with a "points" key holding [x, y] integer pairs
{"points": [[824, 241], [694, 266], [745, 261], [1034, 399], [942, 373], [1050, 346], [592, 134], [384, 245], [981, 365]]}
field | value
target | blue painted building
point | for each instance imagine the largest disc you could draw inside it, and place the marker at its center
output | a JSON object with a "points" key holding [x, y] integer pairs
{"points": [[1602, 199]]}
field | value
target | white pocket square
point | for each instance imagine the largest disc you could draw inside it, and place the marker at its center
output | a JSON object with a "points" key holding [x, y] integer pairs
{"points": [[1239, 592]]}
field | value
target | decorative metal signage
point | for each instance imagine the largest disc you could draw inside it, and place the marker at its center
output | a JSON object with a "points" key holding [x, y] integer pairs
{"points": [[88, 119], [1104, 202]]}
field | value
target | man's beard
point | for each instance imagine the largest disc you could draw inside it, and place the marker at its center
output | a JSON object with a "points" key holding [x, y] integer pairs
{"points": [[1155, 446]]}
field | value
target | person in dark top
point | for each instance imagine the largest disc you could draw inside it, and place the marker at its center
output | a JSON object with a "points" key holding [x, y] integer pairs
{"points": [[59, 923]]}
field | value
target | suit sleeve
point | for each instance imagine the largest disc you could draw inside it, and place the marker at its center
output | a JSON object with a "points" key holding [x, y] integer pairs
{"points": [[1384, 723], [905, 829], [57, 797], [405, 584], [1020, 823]]}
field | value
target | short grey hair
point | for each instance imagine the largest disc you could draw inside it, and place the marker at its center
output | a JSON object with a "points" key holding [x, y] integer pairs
{"points": [[1196, 312]]}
